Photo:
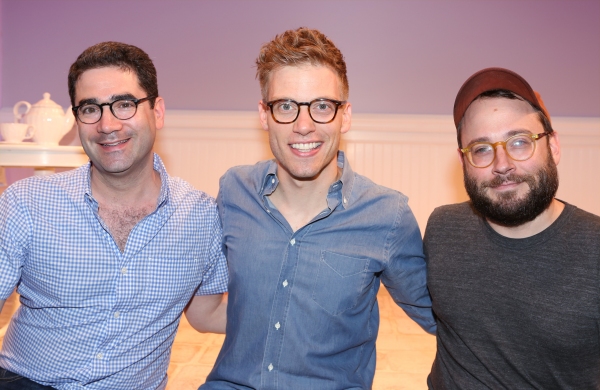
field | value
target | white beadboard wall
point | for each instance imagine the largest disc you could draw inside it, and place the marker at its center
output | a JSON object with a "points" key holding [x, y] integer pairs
{"points": [[414, 154]]}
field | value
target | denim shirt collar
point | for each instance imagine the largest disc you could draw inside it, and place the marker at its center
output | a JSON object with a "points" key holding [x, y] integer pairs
{"points": [[339, 191]]}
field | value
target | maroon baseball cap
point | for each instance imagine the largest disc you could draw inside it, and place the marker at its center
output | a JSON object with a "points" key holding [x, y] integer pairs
{"points": [[494, 78]]}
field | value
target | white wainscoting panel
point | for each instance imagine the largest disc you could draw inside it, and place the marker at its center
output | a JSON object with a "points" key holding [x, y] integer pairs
{"points": [[414, 154]]}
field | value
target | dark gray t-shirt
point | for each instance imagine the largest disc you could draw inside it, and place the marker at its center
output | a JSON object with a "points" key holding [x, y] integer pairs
{"points": [[514, 313]]}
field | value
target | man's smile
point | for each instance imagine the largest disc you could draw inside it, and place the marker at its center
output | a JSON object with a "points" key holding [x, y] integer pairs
{"points": [[114, 143], [306, 147]]}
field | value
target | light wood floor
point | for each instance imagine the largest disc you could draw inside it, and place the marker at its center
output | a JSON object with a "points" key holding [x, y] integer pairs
{"points": [[404, 351]]}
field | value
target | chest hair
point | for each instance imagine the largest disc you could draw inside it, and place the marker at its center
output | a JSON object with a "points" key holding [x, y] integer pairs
{"points": [[121, 220]]}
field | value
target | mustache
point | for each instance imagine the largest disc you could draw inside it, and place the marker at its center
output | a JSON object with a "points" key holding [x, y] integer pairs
{"points": [[500, 180]]}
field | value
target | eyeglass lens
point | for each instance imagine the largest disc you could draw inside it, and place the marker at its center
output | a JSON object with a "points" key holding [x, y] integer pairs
{"points": [[121, 109], [519, 147], [321, 111]]}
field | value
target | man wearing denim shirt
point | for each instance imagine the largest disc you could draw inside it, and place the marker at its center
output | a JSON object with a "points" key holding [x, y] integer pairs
{"points": [[107, 256], [308, 240]]}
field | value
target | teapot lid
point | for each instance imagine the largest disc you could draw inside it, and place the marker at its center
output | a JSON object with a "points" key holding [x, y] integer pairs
{"points": [[46, 102]]}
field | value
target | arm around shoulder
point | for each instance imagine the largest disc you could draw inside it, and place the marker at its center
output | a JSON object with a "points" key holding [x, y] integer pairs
{"points": [[207, 313]]}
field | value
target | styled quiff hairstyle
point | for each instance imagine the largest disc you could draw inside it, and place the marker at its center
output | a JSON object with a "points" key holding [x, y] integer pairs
{"points": [[299, 47], [120, 55]]}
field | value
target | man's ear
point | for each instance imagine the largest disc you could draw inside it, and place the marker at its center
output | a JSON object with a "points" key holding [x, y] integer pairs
{"points": [[263, 115], [461, 157], [554, 145], [346, 117], [159, 112]]}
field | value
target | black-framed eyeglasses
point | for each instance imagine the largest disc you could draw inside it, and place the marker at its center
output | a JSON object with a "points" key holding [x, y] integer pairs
{"points": [[90, 113], [519, 147], [320, 110]]}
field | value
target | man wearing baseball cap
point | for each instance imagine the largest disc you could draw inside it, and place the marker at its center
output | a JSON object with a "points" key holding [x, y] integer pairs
{"points": [[514, 272]]}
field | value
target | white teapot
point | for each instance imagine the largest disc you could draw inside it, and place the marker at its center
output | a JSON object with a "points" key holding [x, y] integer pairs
{"points": [[50, 123]]}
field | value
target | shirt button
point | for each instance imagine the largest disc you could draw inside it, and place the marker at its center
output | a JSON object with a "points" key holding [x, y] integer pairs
{"points": [[99, 356], [273, 181], [277, 326], [270, 367], [293, 242], [117, 314], [345, 200], [285, 283], [123, 270]]}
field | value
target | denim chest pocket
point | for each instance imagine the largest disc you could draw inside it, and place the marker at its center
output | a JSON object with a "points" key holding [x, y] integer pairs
{"points": [[339, 282]]}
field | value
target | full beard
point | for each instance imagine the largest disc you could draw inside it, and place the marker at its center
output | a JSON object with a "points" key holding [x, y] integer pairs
{"points": [[509, 210]]}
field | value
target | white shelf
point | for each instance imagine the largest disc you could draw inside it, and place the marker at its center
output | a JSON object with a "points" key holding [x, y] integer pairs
{"points": [[43, 158]]}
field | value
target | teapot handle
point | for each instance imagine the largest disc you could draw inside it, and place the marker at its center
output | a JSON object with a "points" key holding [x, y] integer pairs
{"points": [[16, 110]]}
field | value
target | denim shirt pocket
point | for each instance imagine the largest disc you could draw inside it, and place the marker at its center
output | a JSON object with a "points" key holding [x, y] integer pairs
{"points": [[339, 282]]}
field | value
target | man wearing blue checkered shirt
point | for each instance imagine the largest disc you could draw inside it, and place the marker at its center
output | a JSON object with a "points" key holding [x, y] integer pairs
{"points": [[105, 257]]}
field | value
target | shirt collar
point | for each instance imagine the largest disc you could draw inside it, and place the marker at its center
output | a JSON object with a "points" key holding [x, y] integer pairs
{"points": [[164, 180], [347, 179], [270, 180], [158, 167]]}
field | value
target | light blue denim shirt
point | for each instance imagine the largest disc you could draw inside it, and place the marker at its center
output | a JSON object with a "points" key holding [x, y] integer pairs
{"points": [[303, 310], [92, 316]]}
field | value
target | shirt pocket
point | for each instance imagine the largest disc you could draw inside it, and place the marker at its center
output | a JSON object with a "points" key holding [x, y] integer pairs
{"points": [[340, 281]]}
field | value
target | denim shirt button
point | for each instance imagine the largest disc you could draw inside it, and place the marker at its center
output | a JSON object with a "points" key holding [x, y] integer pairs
{"points": [[293, 241], [270, 367], [277, 326], [285, 283], [345, 200]]}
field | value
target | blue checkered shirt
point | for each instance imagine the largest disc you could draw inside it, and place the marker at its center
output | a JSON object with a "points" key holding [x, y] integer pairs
{"points": [[90, 316]]}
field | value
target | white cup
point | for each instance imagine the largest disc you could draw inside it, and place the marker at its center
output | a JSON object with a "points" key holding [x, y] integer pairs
{"points": [[15, 132]]}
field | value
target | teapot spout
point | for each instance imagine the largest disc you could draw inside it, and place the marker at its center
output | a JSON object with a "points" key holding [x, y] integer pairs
{"points": [[69, 120]]}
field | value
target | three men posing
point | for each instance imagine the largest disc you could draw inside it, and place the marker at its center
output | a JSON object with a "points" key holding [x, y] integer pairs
{"points": [[106, 256]]}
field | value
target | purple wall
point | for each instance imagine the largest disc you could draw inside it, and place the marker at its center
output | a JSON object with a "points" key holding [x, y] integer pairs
{"points": [[403, 56]]}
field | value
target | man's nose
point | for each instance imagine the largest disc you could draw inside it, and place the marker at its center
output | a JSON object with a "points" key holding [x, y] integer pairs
{"points": [[304, 124], [108, 122], [503, 163]]}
